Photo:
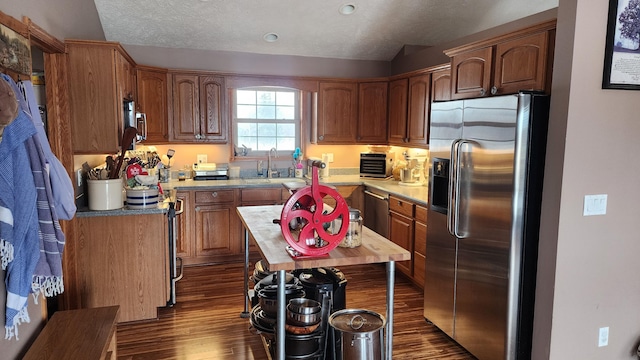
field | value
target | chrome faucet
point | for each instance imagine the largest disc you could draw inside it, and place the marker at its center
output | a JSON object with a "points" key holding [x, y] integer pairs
{"points": [[270, 170]]}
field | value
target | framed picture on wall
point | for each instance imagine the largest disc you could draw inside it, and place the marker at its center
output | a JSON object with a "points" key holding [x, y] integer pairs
{"points": [[15, 52], [622, 51]]}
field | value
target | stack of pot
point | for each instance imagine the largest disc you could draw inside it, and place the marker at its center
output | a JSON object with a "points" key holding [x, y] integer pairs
{"points": [[303, 329]]}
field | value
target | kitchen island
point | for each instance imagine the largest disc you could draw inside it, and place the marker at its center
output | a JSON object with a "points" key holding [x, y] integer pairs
{"points": [[257, 224]]}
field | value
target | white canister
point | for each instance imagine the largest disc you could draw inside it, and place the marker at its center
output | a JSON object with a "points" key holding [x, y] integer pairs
{"points": [[105, 194]]}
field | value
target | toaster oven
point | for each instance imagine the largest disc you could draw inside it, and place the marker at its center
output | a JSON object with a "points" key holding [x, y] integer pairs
{"points": [[376, 165]]}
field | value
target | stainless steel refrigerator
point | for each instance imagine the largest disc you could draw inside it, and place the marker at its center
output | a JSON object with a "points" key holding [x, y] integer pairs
{"points": [[485, 185]]}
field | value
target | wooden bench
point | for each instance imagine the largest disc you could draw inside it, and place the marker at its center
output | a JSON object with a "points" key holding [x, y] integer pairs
{"points": [[78, 334]]}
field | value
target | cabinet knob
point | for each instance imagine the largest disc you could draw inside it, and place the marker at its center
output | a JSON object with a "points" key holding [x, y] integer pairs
{"points": [[494, 90], [197, 208], [197, 136], [214, 194], [321, 137], [483, 92]]}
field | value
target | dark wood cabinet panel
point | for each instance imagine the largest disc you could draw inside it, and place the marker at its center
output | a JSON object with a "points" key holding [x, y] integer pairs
{"points": [[372, 112], [520, 64], [418, 112], [441, 85], [398, 92], [419, 251], [213, 123], [401, 233], [471, 73], [337, 112], [184, 226], [186, 108], [213, 231], [96, 92], [199, 109], [152, 100], [504, 65]]}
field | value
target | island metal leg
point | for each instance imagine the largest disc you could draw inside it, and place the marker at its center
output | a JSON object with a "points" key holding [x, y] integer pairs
{"points": [[390, 284], [280, 334], [245, 313]]}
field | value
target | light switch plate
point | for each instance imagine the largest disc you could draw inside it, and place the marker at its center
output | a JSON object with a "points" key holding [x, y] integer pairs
{"points": [[595, 205]]}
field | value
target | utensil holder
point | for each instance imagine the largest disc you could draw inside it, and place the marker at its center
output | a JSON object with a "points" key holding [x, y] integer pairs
{"points": [[105, 194]]}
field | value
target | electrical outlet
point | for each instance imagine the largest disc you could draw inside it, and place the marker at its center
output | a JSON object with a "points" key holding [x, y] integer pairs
{"points": [[595, 205], [202, 158], [330, 157], [603, 336]]}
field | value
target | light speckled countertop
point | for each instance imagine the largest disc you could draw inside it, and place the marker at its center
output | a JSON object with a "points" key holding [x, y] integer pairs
{"points": [[416, 194]]}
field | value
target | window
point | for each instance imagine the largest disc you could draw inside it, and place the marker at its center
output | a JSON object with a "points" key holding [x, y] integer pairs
{"points": [[267, 118]]}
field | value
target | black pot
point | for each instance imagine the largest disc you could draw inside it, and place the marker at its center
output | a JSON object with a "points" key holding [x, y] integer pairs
{"points": [[268, 297], [260, 272], [272, 280], [302, 345]]}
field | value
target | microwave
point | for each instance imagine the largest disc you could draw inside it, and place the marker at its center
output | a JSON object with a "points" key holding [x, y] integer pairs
{"points": [[376, 165]]}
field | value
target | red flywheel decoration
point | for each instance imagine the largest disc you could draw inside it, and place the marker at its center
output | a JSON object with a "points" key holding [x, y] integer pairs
{"points": [[306, 226]]}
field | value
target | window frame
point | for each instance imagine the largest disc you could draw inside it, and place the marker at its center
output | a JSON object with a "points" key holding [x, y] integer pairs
{"points": [[298, 121]]}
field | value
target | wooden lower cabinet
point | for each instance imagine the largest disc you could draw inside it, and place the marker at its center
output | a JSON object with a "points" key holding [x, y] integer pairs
{"points": [[408, 228], [401, 233], [419, 244], [123, 260]]}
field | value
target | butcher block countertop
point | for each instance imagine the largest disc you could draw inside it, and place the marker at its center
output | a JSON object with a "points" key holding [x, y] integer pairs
{"points": [[268, 236]]}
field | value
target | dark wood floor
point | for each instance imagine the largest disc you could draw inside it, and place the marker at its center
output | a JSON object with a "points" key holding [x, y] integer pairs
{"points": [[206, 323]]}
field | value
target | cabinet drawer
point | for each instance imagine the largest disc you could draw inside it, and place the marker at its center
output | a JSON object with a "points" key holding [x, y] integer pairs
{"points": [[214, 196], [268, 195], [421, 214], [401, 206]]}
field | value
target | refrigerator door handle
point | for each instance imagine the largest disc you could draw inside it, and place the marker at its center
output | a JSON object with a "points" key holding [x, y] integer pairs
{"points": [[453, 215], [454, 191]]}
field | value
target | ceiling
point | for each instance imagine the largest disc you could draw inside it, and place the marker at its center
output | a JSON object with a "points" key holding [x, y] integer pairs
{"points": [[376, 30]]}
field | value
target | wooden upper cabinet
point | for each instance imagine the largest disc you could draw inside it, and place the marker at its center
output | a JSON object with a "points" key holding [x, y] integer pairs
{"points": [[152, 100], [441, 85], [337, 112], [100, 78], [521, 64], [398, 91], [520, 60], [419, 107], [213, 124], [372, 112], [199, 109], [471, 73]]}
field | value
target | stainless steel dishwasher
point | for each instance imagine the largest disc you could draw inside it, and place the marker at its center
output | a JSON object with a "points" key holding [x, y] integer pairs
{"points": [[376, 211]]}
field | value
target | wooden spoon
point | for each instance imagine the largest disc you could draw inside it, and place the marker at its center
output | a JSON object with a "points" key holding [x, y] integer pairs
{"points": [[127, 138]]}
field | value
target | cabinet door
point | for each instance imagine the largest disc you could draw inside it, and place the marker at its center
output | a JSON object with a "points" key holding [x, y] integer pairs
{"points": [[152, 100], [337, 112], [398, 91], [441, 85], [418, 117], [372, 113], [184, 227], [401, 233], [126, 77], [471, 73], [521, 64], [95, 108], [419, 251], [185, 125], [213, 120], [213, 231]]}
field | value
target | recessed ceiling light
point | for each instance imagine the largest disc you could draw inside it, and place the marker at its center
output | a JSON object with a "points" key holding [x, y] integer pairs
{"points": [[347, 9], [270, 37]]}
